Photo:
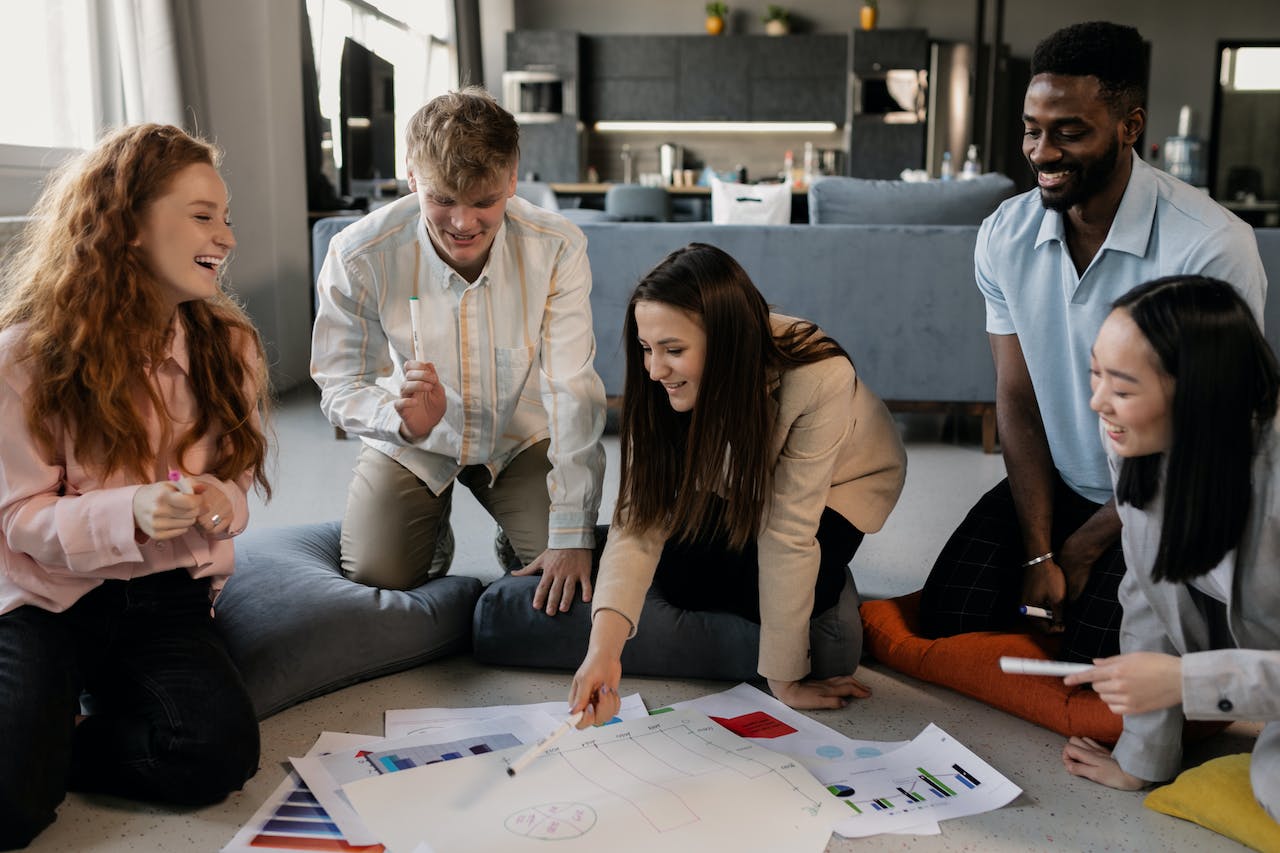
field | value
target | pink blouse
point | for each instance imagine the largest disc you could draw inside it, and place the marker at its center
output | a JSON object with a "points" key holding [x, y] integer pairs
{"points": [[64, 530]]}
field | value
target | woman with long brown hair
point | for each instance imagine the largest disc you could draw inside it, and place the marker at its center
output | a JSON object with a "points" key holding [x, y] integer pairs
{"points": [[754, 460], [131, 394]]}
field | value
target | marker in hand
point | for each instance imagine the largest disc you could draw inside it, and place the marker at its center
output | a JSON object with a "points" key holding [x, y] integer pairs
{"points": [[415, 323], [543, 745], [179, 483], [1036, 666], [1037, 612]]}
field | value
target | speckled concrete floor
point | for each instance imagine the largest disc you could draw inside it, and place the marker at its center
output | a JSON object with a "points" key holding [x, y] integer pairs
{"points": [[1056, 812]]}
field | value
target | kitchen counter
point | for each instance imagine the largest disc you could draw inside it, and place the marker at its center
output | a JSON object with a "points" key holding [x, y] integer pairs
{"points": [[602, 188]]}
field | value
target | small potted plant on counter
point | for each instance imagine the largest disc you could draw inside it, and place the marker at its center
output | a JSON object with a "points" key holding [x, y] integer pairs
{"points": [[775, 21], [715, 18], [869, 13]]}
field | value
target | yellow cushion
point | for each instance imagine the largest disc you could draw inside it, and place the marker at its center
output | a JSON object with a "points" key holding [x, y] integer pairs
{"points": [[1217, 795]]}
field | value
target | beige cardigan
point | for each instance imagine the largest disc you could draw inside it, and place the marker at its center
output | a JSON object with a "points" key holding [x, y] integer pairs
{"points": [[836, 446]]}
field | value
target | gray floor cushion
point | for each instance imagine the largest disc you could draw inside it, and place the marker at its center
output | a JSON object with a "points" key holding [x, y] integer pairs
{"points": [[297, 628], [670, 642]]}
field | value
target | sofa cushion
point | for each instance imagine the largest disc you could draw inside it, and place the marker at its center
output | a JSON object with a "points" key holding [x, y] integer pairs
{"points": [[297, 628], [1218, 795], [855, 201], [969, 664], [670, 641]]}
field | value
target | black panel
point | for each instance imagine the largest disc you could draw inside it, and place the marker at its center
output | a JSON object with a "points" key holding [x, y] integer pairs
{"points": [[712, 99], [799, 99], [877, 51], [630, 56], [631, 100], [703, 56], [552, 151], [879, 150], [780, 57], [550, 48]]}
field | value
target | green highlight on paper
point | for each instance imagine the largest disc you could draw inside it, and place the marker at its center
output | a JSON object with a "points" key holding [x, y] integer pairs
{"points": [[936, 781]]}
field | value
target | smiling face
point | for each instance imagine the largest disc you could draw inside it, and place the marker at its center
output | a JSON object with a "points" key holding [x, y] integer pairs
{"points": [[185, 235], [1132, 394], [675, 350], [462, 227], [1074, 141]]}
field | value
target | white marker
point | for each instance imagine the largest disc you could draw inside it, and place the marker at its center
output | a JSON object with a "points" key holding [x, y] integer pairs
{"points": [[1035, 666], [543, 745], [415, 323], [1037, 612]]}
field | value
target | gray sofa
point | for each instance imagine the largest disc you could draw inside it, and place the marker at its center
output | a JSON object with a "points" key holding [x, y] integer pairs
{"points": [[900, 298]]}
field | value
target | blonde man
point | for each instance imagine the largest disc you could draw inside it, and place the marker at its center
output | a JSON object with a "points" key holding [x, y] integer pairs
{"points": [[502, 395]]}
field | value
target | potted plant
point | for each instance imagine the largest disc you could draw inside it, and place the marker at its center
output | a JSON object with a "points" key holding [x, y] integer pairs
{"points": [[715, 18], [869, 13], [775, 21]]}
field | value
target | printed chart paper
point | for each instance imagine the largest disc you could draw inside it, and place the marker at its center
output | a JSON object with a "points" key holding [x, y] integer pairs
{"points": [[932, 778], [292, 819], [400, 723], [751, 713], [676, 781], [326, 774], [830, 756]]}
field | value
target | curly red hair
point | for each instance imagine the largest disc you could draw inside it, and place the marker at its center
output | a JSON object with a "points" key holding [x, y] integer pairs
{"points": [[95, 319]]}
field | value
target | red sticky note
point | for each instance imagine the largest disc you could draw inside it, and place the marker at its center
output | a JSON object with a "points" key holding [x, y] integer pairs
{"points": [[756, 724]]}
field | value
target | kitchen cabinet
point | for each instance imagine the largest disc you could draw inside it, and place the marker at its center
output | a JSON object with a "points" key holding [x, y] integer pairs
{"points": [[630, 78], [877, 51], [715, 78], [799, 78]]}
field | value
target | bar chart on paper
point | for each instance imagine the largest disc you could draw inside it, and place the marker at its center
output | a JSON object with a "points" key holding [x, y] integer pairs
{"points": [[932, 778], [403, 759], [675, 781], [909, 791]]}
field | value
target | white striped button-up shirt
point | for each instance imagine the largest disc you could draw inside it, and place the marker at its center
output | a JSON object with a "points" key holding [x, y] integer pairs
{"points": [[513, 350]]}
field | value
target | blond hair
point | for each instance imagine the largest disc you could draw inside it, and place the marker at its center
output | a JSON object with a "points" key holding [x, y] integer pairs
{"points": [[462, 141]]}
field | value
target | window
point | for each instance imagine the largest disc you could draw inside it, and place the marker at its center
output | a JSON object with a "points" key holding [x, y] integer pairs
{"points": [[46, 59], [413, 35]]}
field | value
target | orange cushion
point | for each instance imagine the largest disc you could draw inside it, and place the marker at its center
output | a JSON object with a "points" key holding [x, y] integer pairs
{"points": [[969, 664]]}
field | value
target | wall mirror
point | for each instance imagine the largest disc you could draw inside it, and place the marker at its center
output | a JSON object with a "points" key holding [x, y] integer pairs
{"points": [[1244, 153]]}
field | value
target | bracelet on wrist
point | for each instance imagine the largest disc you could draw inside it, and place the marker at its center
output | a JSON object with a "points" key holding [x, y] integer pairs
{"points": [[1035, 561]]}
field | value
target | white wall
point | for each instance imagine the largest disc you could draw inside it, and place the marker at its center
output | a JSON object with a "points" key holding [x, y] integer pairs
{"points": [[251, 80]]}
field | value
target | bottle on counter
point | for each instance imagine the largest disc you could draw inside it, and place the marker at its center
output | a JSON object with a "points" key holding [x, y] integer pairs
{"points": [[972, 168], [810, 165], [946, 172], [788, 166]]}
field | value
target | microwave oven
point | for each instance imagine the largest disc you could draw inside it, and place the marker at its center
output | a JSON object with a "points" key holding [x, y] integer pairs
{"points": [[537, 96]]}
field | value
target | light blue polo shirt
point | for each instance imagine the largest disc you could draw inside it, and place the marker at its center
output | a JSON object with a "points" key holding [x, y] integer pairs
{"points": [[1024, 270]]}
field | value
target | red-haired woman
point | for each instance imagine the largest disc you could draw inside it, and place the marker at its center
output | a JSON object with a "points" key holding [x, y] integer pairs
{"points": [[121, 360], [754, 460]]}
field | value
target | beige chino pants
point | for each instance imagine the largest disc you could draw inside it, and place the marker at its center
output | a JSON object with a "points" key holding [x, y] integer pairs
{"points": [[394, 524]]}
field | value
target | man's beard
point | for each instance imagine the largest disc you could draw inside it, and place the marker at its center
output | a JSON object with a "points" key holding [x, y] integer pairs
{"points": [[1086, 182]]}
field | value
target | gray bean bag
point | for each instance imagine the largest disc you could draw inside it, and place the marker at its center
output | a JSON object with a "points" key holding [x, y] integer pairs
{"points": [[298, 629], [669, 642]]}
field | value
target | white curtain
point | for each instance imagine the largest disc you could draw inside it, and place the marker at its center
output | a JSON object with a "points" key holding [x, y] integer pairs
{"points": [[138, 59]]}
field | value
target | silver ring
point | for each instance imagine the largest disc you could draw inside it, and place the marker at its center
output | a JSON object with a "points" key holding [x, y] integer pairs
{"points": [[215, 520]]}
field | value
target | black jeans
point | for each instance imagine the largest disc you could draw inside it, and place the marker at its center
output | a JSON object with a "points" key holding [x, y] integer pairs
{"points": [[170, 719], [707, 575], [976, 582]]}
